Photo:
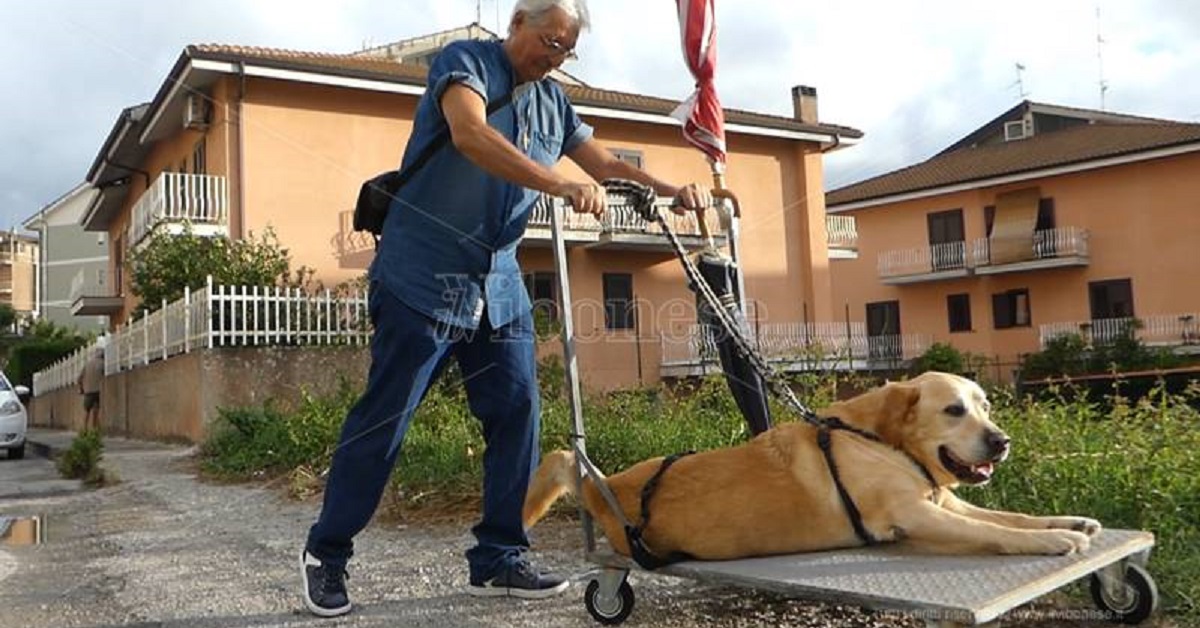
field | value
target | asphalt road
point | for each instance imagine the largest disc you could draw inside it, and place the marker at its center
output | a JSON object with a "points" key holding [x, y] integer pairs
{"points": [[162, 549]]}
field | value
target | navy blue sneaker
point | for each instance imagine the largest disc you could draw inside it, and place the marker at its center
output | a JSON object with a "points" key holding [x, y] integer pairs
{"points": [[520, 579], [324, 587]]}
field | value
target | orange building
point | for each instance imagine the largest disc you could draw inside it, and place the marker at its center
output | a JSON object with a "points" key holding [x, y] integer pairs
{"points": [[241, 139], [1046, 220]]}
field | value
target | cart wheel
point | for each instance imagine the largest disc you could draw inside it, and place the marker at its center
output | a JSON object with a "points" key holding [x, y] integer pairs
{"points": [[609, 612], [1140, 599]]}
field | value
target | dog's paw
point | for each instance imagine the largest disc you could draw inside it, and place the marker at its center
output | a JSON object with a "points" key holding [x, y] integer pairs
{"points": [[1063, 542], [1086, 525]]}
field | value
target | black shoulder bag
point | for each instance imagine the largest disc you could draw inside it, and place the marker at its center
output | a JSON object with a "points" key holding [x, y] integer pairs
{"points": [[376, 193]]}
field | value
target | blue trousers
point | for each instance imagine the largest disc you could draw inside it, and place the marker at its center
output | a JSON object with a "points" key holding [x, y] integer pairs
{"points": [[408, 350]]}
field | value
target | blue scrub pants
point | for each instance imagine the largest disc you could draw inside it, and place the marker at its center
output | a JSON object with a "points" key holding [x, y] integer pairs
{"points": [[408, 350]]}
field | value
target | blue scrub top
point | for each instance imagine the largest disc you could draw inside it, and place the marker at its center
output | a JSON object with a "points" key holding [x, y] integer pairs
{"points": [[449, 242]]}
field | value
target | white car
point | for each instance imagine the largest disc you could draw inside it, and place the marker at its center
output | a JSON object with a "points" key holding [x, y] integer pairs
{"points": [[13, 420]]}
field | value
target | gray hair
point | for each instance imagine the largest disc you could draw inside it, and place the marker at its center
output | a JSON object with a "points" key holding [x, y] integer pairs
{"points": [[575, 9]]}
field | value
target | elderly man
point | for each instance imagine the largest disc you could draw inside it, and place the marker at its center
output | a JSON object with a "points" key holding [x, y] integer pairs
{"points": [[445, 281]]}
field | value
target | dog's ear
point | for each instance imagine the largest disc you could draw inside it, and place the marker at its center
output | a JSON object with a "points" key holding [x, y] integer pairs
{"points": [[899, 398], [880, 407]]}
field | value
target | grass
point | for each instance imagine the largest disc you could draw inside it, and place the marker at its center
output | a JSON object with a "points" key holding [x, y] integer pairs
{"points": [[1129, 464]]}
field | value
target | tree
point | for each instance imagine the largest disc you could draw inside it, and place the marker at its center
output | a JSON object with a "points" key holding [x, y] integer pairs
{"points": [[168, 263]]}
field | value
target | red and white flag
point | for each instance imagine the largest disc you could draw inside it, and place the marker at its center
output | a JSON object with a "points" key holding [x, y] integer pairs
{"points": [[701, 114]]}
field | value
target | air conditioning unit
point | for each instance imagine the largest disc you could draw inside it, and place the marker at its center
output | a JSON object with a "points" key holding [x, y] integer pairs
{"points": [[196, 109], [1017, 130]]}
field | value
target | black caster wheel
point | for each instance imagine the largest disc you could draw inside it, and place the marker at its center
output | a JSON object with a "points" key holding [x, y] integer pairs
{"points": [[1140, 600], [610, 612]]}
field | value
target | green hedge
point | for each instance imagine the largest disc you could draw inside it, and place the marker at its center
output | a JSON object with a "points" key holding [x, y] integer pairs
{"points": [[31, 356]]}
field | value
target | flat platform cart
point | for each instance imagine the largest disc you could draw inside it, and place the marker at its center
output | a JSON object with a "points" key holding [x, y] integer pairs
{"points": [[945, 591]]}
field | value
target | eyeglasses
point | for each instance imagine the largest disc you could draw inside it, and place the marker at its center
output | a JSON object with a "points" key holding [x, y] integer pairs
{"points": [[556, 48]]}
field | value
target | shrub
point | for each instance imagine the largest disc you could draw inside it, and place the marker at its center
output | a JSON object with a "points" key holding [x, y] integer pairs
{"points": [[1133, 466], [940, 357], [81, 461]]}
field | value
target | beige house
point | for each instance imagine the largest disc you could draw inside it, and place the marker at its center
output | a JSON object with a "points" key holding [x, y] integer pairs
{"points": [[1046, 220], [18, 272], [240, 139]]}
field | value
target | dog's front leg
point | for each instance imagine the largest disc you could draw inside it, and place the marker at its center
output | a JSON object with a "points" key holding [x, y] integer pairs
{"points": [[953, 503], [934, 529]]}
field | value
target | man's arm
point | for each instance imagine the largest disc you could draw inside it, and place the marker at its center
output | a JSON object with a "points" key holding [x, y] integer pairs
{"points": [[466, 115], [601, 164]]}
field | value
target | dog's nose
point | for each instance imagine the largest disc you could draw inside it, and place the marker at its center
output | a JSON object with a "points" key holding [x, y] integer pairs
{"points": [[998, 442]]}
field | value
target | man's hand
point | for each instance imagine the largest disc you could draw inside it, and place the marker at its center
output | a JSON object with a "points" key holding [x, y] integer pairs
{"points": [[585, 198], [691, 197]]}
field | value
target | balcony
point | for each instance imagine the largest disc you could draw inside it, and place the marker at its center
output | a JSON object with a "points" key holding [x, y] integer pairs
{"points": [[1050, 248], [175, 200], [95, 293], [1179, 331], [930, 263], [796, 347], [842, 234], [621, 228], [353, 249]]}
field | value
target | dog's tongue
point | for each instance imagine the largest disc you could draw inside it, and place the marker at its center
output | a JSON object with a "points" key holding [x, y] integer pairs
{"points": [[984, 469]]}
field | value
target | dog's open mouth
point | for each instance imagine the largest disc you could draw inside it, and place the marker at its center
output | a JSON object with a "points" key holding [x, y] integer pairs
{"points": [[967, 473]]}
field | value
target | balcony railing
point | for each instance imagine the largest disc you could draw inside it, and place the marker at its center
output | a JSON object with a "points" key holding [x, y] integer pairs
{"points": [[175, 198], [823, 344], [923, 260], [95, 292], [1048, 244], [621, 221], [1049, 248], [92, 283], [842, 233], [1166, 330]]}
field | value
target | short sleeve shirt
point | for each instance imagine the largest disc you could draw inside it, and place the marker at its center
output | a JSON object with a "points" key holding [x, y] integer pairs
{"points": [[449, 242]]}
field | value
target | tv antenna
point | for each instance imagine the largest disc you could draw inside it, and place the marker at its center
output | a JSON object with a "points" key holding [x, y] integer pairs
{"points": [[1020, 84], [1100, 61]]}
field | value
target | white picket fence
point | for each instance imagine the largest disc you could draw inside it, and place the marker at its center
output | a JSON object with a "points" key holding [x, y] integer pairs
{"points": [[221, 316]]}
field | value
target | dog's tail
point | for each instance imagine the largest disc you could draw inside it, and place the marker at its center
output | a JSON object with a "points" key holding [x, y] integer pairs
{"points": [[554, 478]]}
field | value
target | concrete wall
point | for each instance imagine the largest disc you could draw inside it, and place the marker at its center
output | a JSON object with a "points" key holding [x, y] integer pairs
{"points": [[179, 398]]}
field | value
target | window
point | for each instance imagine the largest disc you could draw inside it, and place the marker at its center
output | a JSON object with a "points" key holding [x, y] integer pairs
{"points": [[958, 307], [883, 330], [1011, 309], [543, 292], [631, 157], [200, 158], [1111, 299], [946, 240], [989, 218], [618, 301]]}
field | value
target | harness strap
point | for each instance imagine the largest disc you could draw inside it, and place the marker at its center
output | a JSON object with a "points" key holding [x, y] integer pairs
{"points": [[826, 444], [638, 550]]}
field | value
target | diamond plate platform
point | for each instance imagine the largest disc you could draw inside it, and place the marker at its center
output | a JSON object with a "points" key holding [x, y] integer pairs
{"points": [[963, 589]]}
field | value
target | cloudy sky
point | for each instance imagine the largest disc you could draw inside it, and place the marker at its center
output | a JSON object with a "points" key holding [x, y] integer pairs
{"points": [[914, 75]]}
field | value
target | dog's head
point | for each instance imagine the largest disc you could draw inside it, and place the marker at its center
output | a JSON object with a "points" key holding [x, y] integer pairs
{"points": [[942, 420]]}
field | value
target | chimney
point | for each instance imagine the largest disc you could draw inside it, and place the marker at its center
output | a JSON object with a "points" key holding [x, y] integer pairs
{"points": [[804, 103]]}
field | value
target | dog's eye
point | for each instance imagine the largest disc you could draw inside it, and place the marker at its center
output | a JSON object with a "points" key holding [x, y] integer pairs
{"points": [[956, 410]]}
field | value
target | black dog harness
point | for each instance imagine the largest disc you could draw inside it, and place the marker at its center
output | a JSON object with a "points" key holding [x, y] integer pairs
{"points": [[638, 549], [825, 427]]}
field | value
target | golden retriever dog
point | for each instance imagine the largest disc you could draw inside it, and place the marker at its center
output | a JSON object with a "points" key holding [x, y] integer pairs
{"points": [[776, 494]]}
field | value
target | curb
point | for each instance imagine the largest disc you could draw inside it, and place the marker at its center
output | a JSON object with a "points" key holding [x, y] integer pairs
{"points": [[44, 450]]}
